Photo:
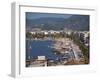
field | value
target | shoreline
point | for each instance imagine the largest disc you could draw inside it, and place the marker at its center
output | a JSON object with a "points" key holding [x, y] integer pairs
{"points": [[65, 46], [40, 39]]}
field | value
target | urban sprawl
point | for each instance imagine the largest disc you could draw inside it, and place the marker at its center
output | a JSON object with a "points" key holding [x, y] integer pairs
{"points": [[71, 45]]}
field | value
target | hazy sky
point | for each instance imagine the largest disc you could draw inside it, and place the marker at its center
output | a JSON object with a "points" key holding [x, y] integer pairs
{"points": [[31, 15]]}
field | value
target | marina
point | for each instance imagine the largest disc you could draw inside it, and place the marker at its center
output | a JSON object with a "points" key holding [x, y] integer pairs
{"points": [[52, 53]]}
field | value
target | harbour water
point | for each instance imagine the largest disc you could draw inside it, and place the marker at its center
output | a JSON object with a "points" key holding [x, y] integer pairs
{"points": [[40, 48]]}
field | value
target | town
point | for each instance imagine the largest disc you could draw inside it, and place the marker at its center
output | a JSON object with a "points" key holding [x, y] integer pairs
{"points": [[71, 47]]}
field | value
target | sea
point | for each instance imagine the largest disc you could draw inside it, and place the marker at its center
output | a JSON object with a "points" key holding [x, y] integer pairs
{"points": [[36, 48]]}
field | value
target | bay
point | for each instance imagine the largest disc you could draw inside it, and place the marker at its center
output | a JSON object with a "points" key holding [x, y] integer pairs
{"points": [[40, 48]]}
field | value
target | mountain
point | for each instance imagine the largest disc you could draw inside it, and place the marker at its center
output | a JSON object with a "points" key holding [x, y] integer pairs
{"points": [[78, 22], [75, 22]]}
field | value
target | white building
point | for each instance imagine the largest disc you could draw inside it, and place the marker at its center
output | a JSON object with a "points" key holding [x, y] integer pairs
{"points": [[33, 32], [45, 32], [41, 58]]}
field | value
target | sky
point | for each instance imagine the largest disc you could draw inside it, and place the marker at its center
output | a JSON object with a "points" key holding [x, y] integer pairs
{"points": [[32, 15]]}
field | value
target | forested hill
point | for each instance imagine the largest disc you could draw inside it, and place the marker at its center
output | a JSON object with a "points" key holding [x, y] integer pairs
{"points": [[75, 22]]}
